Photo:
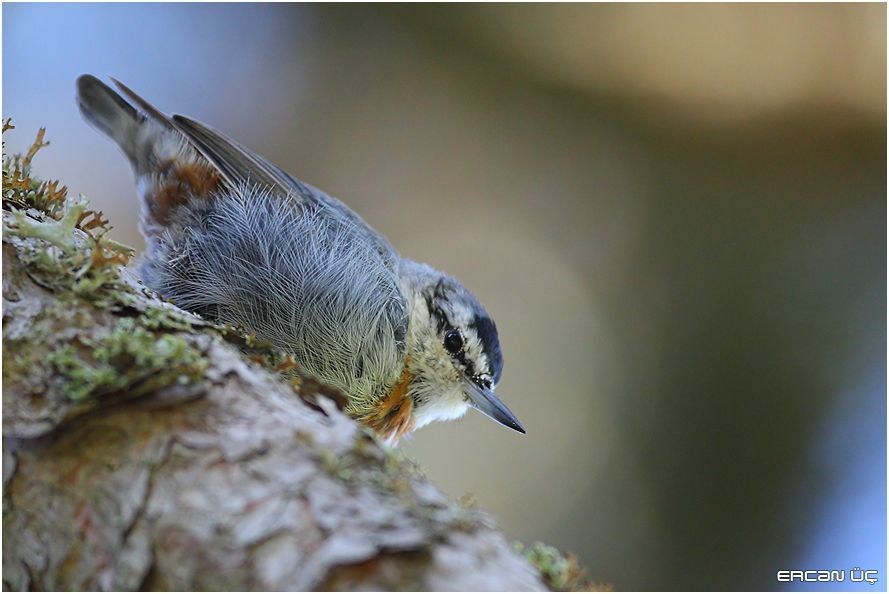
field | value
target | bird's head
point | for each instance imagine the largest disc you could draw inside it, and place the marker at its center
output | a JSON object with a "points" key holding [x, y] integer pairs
{"points": [[455, 359]]}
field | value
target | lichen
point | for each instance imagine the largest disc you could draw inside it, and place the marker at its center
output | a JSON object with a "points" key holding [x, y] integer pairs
{"points": [[17, 361], [560, 572], [167, 318], [130, 358], [23, 192], [64, 242], [63, 260]]}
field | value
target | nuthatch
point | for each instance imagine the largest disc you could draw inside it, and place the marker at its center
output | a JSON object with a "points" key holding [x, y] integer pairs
{"points": [[236, 239]]}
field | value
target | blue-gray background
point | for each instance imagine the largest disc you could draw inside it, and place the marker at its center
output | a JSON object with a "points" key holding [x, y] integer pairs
{"points": [[676, 214]]}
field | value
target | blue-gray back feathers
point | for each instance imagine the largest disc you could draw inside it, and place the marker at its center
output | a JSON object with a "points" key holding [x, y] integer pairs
{"points": [[303, 275]]}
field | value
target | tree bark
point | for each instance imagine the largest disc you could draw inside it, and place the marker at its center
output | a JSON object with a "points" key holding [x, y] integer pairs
{"points": [[144, 450]]}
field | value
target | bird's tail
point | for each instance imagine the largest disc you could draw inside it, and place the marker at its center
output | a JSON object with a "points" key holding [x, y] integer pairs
{"points": [[109, 113]]}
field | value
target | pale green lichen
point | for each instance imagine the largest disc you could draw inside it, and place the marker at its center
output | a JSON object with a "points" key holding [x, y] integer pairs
{"points": [[130, 358], [17, 361], [560, 572], [166, 318], [83, 265], [58, 233], [65, 247]]}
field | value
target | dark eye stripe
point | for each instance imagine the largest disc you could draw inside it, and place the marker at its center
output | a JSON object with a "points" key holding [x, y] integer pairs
{"points": [[466, 363], [485, 330], [487, 334]]}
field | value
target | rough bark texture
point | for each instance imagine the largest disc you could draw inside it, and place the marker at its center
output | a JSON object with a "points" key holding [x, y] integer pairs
{"points": [[199, 469]]}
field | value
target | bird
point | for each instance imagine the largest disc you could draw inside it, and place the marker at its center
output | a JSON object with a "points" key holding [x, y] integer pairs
{"points": [[234, 238]]}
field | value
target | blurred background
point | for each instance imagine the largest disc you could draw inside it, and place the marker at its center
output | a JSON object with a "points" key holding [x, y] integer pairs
{"points": [[675, 213]]}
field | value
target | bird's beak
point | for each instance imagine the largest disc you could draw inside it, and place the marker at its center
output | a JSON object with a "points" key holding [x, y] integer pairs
{"points": [[483, 400]]}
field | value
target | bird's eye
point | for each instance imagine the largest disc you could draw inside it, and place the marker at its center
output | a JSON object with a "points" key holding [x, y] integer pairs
{"points": [[453, 341]]}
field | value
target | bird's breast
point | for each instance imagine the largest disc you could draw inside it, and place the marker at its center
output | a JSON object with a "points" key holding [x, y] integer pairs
{"points": [[392, 416]]}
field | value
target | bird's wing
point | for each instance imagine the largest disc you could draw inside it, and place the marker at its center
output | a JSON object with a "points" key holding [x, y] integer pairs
{"points": [[240, 165], [236, 164]]}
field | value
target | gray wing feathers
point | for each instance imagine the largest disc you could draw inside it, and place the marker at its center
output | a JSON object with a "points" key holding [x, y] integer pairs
{"points": [[240, 165]]}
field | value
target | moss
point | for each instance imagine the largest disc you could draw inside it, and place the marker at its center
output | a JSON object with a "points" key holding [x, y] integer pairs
{"points": [[560, 572], [130, 358]]}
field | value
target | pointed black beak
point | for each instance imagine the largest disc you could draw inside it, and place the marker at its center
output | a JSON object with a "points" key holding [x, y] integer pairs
{"points": [[483, 400]]}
